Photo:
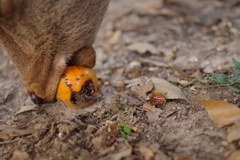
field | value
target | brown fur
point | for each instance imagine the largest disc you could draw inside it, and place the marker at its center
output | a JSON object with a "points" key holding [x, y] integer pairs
{"points": [[42, 37]]}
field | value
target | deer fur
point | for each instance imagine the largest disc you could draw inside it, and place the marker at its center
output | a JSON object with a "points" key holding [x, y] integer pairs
{"points": [[43, 37]]}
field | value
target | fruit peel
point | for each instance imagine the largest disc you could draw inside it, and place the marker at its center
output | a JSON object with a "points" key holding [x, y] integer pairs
{"points": [[77, 87]]}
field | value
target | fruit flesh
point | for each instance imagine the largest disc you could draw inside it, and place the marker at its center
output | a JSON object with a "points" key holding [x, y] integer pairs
{"points": [[77, 87]]}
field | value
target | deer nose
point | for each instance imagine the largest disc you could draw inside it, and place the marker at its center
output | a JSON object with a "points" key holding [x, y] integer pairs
{"points": [[38, 100]]}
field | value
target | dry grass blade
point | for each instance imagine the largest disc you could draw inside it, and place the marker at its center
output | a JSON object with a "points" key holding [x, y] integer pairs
{"points": [[18, 130], [221, 112], [26, 109], [149, 61]]}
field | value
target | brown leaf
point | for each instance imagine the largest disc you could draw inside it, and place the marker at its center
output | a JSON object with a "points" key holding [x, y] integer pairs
{"points": [[133, 128], [168, 112], [185, 83], [142, 47], [182, 82], [123, 149], [166, 89], [147, 106], [144, 89], [222, 113], [235, 155], [179, 70], [234, 132], [153, 115], [146, 152], [134, 84], [20, 155]]}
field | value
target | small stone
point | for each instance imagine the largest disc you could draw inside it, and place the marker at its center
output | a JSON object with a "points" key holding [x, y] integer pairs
{"points": [[119, 85], [234, 31], [106, 83], [220, 48], [132, 65], [224, 143]]}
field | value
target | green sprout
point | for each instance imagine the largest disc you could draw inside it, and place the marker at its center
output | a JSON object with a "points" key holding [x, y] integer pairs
{"points": [[221, 79], [124, 130]]}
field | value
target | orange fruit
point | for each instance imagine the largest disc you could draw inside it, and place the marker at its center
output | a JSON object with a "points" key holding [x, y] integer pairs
{"points": [[77, 87]]}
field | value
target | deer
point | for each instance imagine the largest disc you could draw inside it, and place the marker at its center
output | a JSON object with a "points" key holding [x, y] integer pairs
{"points": [[43, 37]]}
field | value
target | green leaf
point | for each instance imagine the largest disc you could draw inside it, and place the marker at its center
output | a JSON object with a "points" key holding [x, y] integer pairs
{"points": [[234, 79], [120, 128], [185, 93], [219, 75], [124, 135], [237, 64], [127, 130], [234, 89], [221, 81]]}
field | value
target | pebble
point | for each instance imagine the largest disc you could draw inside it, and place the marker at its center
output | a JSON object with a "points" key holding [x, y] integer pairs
{"points": [[224, 143], [220, 48], [119, 85], [132, 65]]}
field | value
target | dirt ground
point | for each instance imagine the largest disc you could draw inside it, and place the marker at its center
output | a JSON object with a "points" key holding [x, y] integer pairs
{"points": [[181, 40]]}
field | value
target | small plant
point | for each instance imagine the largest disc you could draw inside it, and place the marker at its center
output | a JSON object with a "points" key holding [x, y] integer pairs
{"points": [[124, 130], [227, 80]]}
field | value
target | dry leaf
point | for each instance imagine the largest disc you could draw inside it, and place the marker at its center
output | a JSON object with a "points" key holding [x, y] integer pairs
{"points": [[160, 86], [26, 109], [146, 152], [133, 128], [153, 115], [168, 112], [115, 37], [168, 54], [179, 70], [185, 83], [221, 112], [235, 155], [173, 79], [234, 132], [193, 90], [134, 84], [147, 106], [20, 155], [161, 155], [18, 130], [142, 47], [123, 148], [182, 82], [166, 89], [144, 89]]}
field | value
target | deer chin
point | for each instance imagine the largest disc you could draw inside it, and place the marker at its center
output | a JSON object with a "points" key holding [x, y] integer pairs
{"points": [[42, 86]]}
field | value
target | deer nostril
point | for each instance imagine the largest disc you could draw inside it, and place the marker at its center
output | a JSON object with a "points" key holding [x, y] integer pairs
{"points": [[38, 100]]}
